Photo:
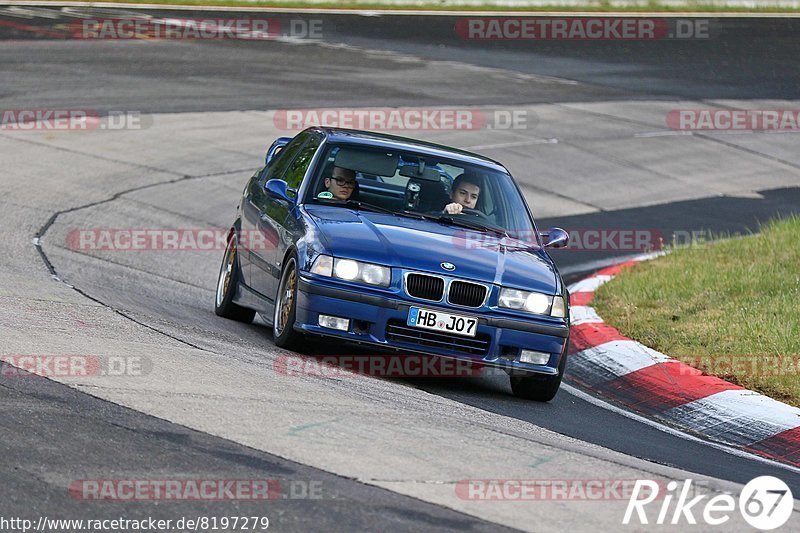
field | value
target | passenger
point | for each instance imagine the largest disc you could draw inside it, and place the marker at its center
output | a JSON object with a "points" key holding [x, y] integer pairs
{"points": [[342, 183], [465, 194]]}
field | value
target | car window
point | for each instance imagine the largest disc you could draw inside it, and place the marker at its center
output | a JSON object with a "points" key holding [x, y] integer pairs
{"points": [[281, 162], [298, 167], [398, 179], [488, 193]]}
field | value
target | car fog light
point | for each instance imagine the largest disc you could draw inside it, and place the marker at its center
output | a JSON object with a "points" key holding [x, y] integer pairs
{"points": [[534, 358], [334, 322]]}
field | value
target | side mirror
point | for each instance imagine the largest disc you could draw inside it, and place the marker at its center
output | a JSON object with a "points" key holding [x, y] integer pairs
{"points": [[555, 238], [276, 147], [279, 189]]}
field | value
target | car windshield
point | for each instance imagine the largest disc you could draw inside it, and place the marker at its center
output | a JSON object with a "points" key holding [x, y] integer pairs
{"points": [[408, 183]]}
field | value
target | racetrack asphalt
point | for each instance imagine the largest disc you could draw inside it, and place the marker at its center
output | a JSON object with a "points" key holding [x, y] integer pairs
{"points": [[728, 184]]}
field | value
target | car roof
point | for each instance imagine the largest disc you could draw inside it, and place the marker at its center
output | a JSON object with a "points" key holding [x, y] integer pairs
{"points": [[394, 142]]}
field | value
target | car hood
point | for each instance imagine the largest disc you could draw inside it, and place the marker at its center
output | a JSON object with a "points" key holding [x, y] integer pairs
{"points": [[424, 245]]}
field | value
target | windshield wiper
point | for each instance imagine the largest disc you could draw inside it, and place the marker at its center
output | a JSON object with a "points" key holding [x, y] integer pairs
{"points": [[366, 206], [466, 223], [372, 207], [461, 222], [354, 204]]}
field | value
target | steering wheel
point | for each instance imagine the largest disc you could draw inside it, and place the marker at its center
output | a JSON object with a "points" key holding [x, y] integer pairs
{"points": [[476, 213]]}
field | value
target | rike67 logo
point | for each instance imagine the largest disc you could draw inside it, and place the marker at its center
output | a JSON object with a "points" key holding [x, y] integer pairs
{"points": [[765, 503]]}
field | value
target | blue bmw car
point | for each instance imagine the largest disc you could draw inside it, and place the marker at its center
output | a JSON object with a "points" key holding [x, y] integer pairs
{"points": [[401, 245]]}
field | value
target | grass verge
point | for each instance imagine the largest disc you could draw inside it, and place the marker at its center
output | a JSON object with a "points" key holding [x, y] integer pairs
{"points": [[596, 6], [730, 308]]}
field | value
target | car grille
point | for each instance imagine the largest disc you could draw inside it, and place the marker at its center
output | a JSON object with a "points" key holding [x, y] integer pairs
{"points": [[425, 287], [466, 294], [400, 332]]}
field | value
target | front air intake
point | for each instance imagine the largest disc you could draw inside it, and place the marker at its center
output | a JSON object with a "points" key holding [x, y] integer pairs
{"points": [[425, 287], [466, 294]]}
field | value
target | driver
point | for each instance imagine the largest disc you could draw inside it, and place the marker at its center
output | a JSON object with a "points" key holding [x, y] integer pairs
{"points": [[341, 183], [465, 195]]}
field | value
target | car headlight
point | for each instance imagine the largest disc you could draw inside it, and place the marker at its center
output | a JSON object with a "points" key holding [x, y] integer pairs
{"points": [[351, 270], [532, 302], [375, 274], [559, 310], [323, 266], [345, 269]]}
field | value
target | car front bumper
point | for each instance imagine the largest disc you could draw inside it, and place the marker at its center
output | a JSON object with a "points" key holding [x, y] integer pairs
{"points": [[380, 321]]}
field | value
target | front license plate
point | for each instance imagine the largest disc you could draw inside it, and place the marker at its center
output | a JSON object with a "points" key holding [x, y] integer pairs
{"points": [[444, 322]]}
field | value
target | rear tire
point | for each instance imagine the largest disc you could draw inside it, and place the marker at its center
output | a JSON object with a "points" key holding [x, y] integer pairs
{"points": [[538, 388], [226, 287], [285, 309]]}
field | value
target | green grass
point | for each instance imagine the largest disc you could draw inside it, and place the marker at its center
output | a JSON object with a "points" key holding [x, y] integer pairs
{"points": [[599, 6], [730, 307]]}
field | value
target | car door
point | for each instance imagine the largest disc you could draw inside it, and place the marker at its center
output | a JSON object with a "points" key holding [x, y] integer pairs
{"points": [[247, 212], [286, 213], [258, 226]]}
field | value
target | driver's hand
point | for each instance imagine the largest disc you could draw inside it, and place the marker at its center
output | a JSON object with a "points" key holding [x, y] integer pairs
{"points": [[453, 209]]}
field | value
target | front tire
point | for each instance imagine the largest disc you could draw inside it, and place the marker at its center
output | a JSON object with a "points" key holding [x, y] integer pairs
{"points": [[285, 309], [538, 388], [226, 287]]}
